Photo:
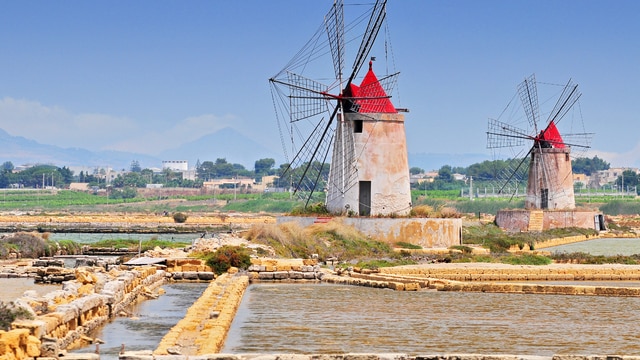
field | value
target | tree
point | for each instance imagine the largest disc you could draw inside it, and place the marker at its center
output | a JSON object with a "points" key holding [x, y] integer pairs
{"points": [[7, 166], [588, 166], [628, 179], [135, 166], [206, 171], [264, 167], [445, 174], [416, 170], [66, 175], [131, 179]]}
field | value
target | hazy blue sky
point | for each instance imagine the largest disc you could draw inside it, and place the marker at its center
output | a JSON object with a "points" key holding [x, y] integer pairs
{"points": [[146, 76]]}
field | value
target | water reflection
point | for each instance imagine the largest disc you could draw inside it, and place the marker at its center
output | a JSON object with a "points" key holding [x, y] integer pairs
{"points": [[605, 246], [152, 320], [296, 318]]}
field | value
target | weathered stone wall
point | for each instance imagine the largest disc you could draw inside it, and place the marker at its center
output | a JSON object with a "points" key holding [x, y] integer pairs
{"points": [[504, 272], [263, 269], [425, 232], [63, 318], [188, 269], [148, 355], [518, 219], [204, 328], [483, 280]]}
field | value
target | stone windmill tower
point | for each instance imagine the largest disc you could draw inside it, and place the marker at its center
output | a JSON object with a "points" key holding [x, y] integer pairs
{"points": [[550, 176], [357, 125]]}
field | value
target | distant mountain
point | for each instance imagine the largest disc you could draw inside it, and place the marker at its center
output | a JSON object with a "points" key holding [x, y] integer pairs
{"points": [[20, 150], [226, 143]]}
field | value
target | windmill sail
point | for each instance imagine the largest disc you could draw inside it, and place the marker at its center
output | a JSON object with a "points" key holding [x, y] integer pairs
{"points": [[549, 176], [319, 117]]}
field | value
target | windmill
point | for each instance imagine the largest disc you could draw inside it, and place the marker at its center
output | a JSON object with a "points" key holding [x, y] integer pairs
{"points": [[549, 177], [354, 127]]}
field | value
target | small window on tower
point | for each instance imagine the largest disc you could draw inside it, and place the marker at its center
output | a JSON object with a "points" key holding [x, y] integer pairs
{"points": [[357, 126], [566, 157]]}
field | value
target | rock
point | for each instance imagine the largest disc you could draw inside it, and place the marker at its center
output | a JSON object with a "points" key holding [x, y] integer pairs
{"points": [[174, 351]]}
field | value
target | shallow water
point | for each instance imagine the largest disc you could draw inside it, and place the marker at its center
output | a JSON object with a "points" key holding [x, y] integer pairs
{"points": [[13, 288], [152, 320], [90, 238], [297, 318], [606, 247]]}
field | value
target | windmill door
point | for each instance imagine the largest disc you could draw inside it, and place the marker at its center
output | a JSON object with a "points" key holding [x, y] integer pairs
{"points": [[365, 198], [544, 199]]}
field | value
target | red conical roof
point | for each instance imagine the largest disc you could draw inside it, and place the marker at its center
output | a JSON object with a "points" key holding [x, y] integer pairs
{"points": [[552, 135], [370, 96]]}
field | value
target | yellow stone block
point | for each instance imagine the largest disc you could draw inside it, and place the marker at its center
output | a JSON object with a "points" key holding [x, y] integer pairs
{"points": [[33, 346]]}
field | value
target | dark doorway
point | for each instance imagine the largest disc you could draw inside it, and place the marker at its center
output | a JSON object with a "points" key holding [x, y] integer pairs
{"points": [[357, 126], [365, 198], [544, 199]]}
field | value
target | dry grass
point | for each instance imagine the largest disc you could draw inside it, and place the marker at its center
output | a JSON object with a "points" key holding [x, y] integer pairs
{"points": [[333, 239], [428, 211]]}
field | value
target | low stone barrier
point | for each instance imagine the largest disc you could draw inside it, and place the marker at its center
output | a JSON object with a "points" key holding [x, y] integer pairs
{"points": [[205, 326], [396, 279], [188, 269], [63, 318], [504, 272], [262, 269], [147, 355]]}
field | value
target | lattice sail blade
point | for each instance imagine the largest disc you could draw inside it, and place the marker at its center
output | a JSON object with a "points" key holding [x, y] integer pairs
{"points": [[343, 162], [570, 95], [511, 180], [334, 24], [376, 20], [529, 97], [501, 134], [305, 97]]}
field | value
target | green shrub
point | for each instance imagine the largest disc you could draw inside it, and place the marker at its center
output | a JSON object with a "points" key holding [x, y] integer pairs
{"points": [[526, 259], [10, 312], [406, 245], [464, 249], [227, 256], [28, 245], [179, 217]]}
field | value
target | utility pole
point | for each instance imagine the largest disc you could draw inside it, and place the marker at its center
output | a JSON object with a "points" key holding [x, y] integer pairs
{"points": [[471, 188]]}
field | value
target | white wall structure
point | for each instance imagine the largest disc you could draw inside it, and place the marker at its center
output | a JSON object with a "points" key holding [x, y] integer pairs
{"points": [[369, 173], [373, 178], [550, 184], [175, 165]]}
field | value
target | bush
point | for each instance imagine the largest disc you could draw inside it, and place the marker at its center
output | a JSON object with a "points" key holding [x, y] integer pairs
{"points": [[27, 245], [406, 245], [10, 312], [179, 217], [227, 256]]}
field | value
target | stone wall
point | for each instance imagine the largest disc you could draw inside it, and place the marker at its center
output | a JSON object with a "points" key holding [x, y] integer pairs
{"points": [[188, 269], [63, 318], [484, 280], [518, 219], [504, 272], [204, 327], [263, 269], [147, 355], [425, 232]]}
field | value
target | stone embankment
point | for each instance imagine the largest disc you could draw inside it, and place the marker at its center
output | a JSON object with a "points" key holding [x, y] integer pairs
{"points": [[497, 278], [63, 318], [204, 328], [110, 223], [358, 356], [284, 270]]}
